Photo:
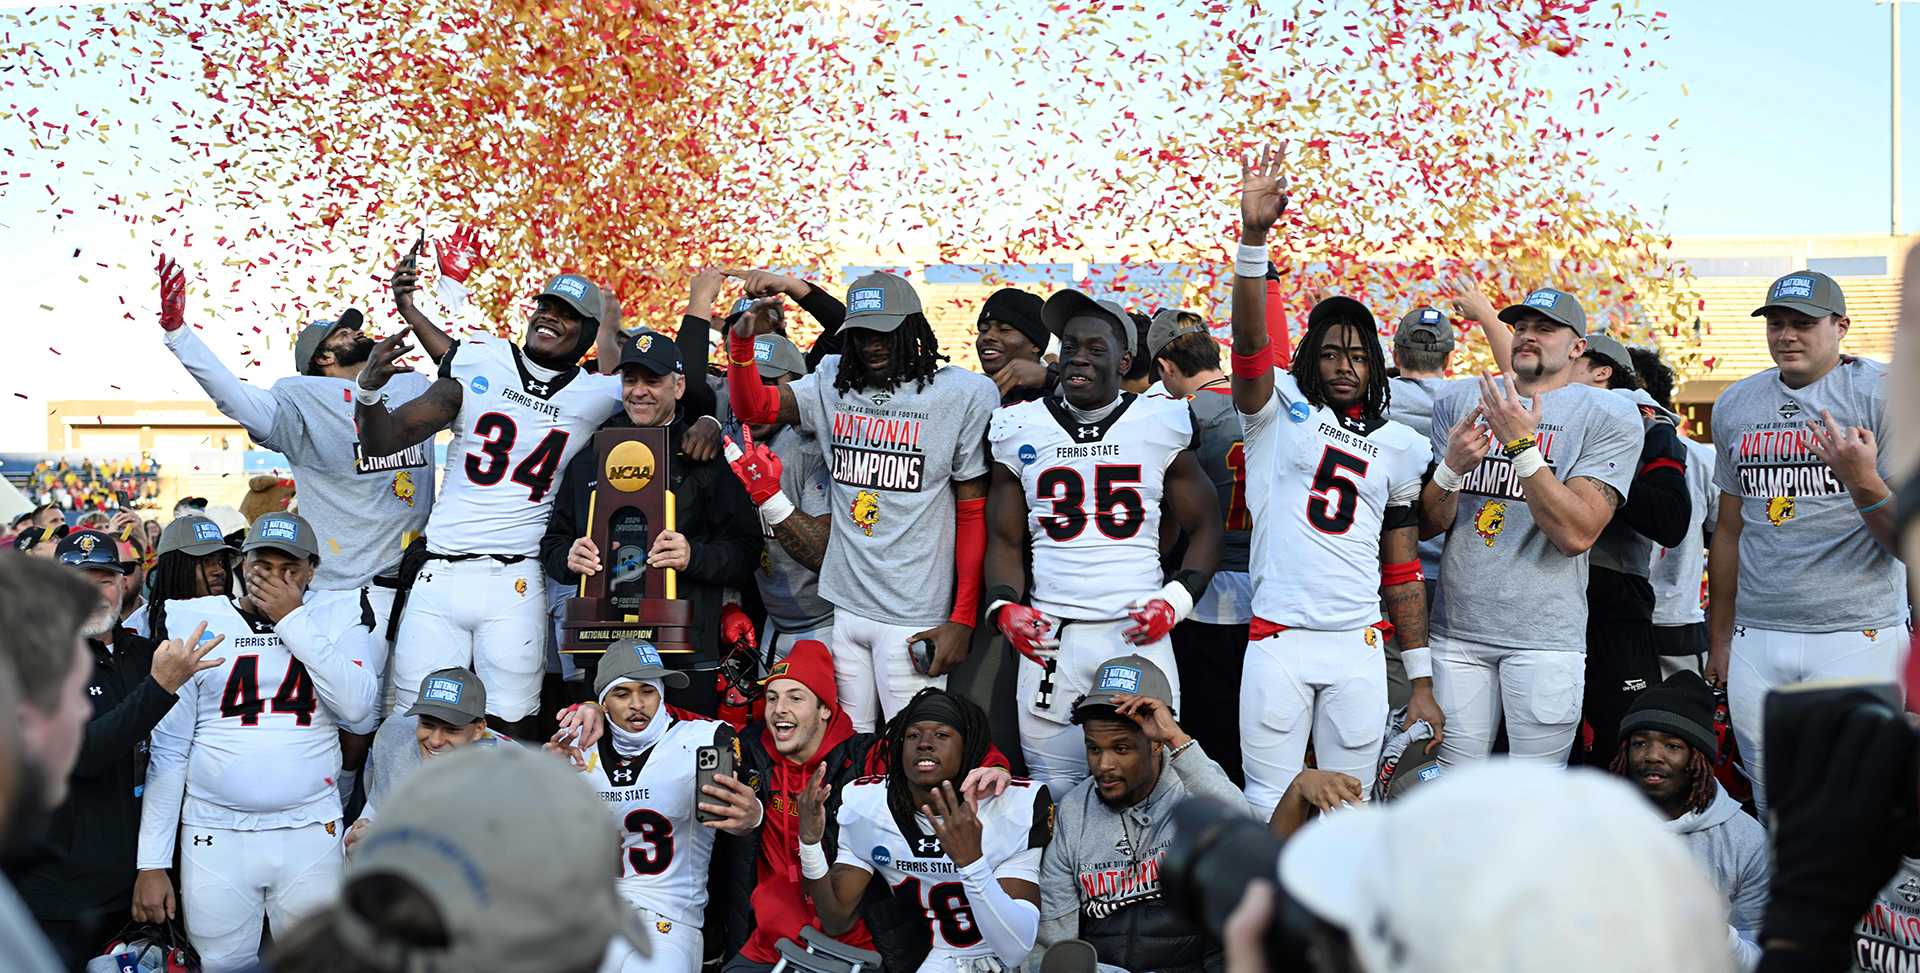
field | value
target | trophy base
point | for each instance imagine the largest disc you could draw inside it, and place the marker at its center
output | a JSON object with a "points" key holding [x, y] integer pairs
{"points": [[665, 623]]}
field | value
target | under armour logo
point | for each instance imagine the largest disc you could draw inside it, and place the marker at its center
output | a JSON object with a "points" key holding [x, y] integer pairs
{"points": [[1087, 432], [94, 690], [203, 839], [1635, 685], [537, 388], [1356, 425], [622, 775], [926, 846]]}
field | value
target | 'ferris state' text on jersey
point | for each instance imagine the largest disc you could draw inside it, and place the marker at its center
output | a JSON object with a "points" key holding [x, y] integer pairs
{"points": [[253, 744], [1321, 486], [1014, 829], [664, 850], [512, 439], [1093, 498]]}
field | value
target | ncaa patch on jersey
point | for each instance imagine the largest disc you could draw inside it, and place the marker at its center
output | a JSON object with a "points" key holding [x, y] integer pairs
{"points": [[478, 385], [442, 691], [1122, 678], [866, 299], [1299, 411], [882, 857], [1027, 454]]}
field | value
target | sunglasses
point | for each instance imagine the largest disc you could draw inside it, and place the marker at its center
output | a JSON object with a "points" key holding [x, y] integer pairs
{"points": [[99, 557]]}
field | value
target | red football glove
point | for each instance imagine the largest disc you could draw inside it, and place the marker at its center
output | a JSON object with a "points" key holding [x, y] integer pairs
{"points": [[173, 294], [757, 467], [1027, 628], [1155, 617], [736, 629], [459, 254]]}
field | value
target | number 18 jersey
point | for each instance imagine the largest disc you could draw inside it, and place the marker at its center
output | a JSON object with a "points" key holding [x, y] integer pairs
{"points": [[512, 439], [1093, 497], [1321, 487]]}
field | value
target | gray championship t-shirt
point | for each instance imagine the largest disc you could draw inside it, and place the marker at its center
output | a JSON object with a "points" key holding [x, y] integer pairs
{"points": [[1502, 581], [1676, 572], [1411, 404], [789, 590], [1807, 563], [396, 754], [893, 457]]}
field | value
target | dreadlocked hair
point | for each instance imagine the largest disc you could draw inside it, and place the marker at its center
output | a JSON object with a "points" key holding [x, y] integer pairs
{"points": [[912, 348], [1698, 799], [175, 575], [1306, 365], [976, 737]]}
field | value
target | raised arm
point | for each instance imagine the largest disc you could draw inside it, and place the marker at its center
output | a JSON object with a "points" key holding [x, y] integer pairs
{"points": [[752, 400], [384, 432], [1263, 198], [249, 405], [1470, 302], [824, 308], [1467, 444], [835, 890], [406, 280]]}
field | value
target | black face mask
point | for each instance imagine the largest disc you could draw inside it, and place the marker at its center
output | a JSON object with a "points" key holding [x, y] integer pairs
{"points": [[356, 353]]}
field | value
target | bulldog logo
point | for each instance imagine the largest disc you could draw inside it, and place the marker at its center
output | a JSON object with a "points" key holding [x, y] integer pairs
{"points": [[1491, 520], [866, 510], [520, 587], [403, 486], [1779, 510]]}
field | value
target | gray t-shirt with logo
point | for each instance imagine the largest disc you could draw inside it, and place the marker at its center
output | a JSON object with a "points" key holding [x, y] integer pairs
{"points": [[893, 458], [1502, 581], [1807, 563], [1412, 405], [790, 590]]}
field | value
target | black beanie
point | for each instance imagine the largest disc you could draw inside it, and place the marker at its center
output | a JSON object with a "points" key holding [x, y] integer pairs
{"points": [[1020, 309], [1682, 706]]}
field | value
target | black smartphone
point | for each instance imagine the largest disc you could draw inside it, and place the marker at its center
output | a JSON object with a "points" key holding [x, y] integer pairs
{"points": [[413, 256], [1789, 708], [709, 762], [921, 652]]}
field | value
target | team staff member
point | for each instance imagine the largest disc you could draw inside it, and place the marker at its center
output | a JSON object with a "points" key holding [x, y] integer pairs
{"points": [[1080, 480], [1509, 625], [714, 545], [519, 414], [1331, 489], [1100, 875], [1012, 344], [1622, 661], [905, 436], [80, 887], [243, 764], [1802, 580]]}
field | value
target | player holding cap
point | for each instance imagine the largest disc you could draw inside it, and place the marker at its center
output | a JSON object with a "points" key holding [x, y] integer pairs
{"points": [[1079, 479], [644, 770], [518, 414], [1509, 625], [1802, 580], [1331, 486], [903, 435], [244, 762]]}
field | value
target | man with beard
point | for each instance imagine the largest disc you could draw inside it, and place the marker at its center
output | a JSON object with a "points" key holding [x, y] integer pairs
{"points": [[1100, 876], [194, 561], [81, 884], [905, 436]]}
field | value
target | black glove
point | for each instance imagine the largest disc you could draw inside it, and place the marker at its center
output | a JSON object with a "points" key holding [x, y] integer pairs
{"points": [[1840, 827]]}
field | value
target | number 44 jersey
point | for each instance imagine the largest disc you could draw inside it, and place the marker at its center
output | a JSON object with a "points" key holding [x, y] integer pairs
{"points": [[1321, 486], [1093, 497]]}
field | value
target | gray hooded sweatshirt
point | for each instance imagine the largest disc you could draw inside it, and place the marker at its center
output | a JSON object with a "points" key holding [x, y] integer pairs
{"points": [[1731, 848]]}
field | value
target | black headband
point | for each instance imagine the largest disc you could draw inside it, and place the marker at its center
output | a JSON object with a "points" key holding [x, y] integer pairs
{"points": [[938, 708]]}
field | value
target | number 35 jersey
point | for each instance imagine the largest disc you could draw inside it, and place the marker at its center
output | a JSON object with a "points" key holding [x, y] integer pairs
{"points": [[1321, 486], [664, 851], [512, 439], [1014, 829], [1093, 497]]}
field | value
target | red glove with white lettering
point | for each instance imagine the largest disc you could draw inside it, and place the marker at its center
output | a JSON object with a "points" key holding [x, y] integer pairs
{"points": [[1027, 628], [459, 254], [736, 629], [173, 294], [759, 471]]}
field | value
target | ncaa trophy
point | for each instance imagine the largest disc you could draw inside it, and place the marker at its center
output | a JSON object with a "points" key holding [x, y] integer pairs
{"points": [[629, 507]]}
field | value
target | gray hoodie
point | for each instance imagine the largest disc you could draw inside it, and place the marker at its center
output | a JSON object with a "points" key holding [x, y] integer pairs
{"points": [[1731, 848]]}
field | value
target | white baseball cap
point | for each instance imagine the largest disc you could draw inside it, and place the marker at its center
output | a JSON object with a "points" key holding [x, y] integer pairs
{"points": [[1511, 867]]}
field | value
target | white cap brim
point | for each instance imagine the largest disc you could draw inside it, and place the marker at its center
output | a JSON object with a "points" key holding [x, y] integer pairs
{"points": [[1324, 865]]}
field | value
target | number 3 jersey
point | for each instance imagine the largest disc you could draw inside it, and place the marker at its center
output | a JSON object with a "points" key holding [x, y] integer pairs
{"points": [[664, 851], [1093, 497], [512, 439], [253, 744], [1321, 486], [1014, 829]]}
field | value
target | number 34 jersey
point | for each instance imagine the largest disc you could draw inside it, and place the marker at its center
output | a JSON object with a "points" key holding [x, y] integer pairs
{"points": [[1014, 829], [664, 851], [1093, 497], [512, 439], [1321, 486]]}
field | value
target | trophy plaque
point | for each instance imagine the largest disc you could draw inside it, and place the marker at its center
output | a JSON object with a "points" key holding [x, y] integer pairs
{"points": [[629, 507]]}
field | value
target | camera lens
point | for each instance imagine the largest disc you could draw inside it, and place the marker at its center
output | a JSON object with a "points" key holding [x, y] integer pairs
{"points": [[1214, 854]]}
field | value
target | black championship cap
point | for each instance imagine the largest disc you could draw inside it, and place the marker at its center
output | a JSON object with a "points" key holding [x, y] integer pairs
{"points": [[1810, 292], [91, 549]]}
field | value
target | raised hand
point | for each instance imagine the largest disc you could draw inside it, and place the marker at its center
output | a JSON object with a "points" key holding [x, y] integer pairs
{"points": [[1505, 416], [703, 291], [1469, 301], [176, 660], [757, 466], [173, 294], [459, 254], [384, 362], [735, 802], [763, 283], [406, 277], [1467, 443], [1263, 188], [1155, 719], [955, 824], [1852, 453], [268, 592], [813, 807]]}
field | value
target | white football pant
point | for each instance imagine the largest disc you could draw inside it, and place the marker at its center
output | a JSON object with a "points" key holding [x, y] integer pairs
{"points": [[483, 615], [1539, 693], [1056, 750], [1762, 660], [1300, 684], [871, 670], [231, 880], [676, 948]]}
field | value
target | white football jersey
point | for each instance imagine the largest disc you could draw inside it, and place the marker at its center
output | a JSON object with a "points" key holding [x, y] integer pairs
{"points": [[1014, 829], [512, 439], [1093, 498], [253, 744], [664, 852], [1320, 487]]}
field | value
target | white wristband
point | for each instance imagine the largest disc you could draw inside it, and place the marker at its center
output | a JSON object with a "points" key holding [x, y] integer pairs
{"points": [[1250, 261], [1445, 478], [367, 396], [813, 861], [1528, 462], [1419, 662], [1179, 598], [776, 509]]}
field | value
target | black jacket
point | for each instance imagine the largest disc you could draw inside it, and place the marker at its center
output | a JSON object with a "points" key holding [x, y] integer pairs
{"points": [[710, 508], [1657, 510], [90, 842]]}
